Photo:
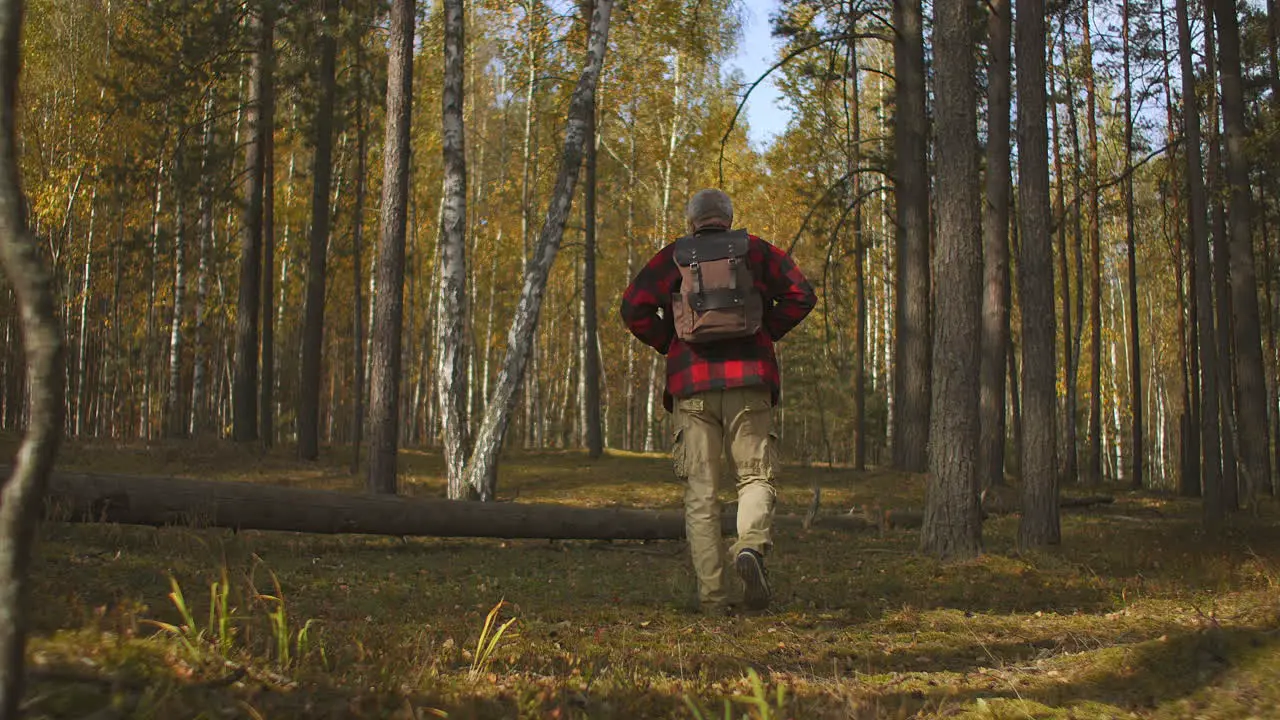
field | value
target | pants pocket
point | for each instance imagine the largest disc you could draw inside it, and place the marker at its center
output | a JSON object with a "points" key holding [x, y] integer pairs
{"points": [[678, 455]]}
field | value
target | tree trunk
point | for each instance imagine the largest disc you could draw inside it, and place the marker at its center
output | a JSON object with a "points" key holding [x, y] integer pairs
{"points": [[590, 324], [245, 385], [266, 395], [22, 494], [451, 378], [1040, 522], [82, 342], [482, 469], [200, 360], [1221, 282], [995, 250], [952, 520], [388, 302], [357, 252], [317, 257], [1135, 354], [1093, 458], [172, 425], [1197, 218], [1068, 451], [913, 333], [1250, 375], [167, 501]]}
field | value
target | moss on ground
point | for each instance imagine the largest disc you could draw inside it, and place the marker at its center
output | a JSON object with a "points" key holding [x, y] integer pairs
{"points": [[1138, 614]]}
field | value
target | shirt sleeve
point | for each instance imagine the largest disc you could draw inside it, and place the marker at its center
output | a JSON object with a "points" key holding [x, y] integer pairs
{"points": [[790, 296], [646, 303]]}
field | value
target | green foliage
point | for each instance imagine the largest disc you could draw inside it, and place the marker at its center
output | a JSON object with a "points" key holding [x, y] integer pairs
{"points": [[487, 644]]}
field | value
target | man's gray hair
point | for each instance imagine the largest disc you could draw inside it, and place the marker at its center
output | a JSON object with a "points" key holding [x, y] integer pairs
{"points": [[709, 204]]}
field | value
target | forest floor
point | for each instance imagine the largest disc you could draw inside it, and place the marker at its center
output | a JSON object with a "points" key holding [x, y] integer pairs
{"points": [[1137, 615]]}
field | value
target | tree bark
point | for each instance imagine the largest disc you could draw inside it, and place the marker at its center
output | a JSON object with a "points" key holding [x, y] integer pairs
{"points": [[952, 520], [1131, 244], [166, 501], [1250, 374], [266, 394], [1226, 407], [1197, 218], [245, 384], [451, 377], [200, 360], [590, 325], [357, 253], [172, 425], [1040, 521], [317, 257], [1068, 451], [995, 249], [913, 333], [482, 469], [388, 302], [22, 493], [1093, 457]]}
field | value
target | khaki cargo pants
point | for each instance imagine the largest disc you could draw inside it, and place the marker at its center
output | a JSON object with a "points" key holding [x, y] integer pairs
{"points": [[737, 422]]}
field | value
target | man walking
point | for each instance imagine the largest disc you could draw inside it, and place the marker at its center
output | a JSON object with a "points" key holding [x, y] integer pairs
{"points": [[715, 302]]}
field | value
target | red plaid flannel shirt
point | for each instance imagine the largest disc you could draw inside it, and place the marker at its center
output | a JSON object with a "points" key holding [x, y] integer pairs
{"points": [[646, 309]]}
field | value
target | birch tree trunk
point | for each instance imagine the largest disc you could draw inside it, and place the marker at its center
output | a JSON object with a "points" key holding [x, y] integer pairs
{"points": [[1197, 219], [952, 517], [22, 495], [172, 424], [200, 360], [913, 333], [1040, 521], [317, 258], [388, 302], [1250, 375], [245, 385], [451, 379], [995, 250], [82, 344], [482, 470]]}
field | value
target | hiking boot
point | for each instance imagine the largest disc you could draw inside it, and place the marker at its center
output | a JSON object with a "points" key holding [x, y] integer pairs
{"points": [[755, 581]]}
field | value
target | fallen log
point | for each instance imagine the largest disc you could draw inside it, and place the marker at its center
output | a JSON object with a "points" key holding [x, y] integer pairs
{"points": [[165, 501]]}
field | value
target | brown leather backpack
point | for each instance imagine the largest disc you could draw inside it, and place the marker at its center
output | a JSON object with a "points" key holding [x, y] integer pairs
{"points": [[717, 298]]}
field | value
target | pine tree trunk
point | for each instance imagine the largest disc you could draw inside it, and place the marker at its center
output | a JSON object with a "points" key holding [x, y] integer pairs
{"points": [[1135, 350], [317, 257], [266, 395], [388, 302], [995, 250], [1250, 374], [1221, 282], [482, 469], [452, 379], [1040, 523], [357, 253], [22, 494], [245, 385], [590, 330], [952, 517], [913, 333], [1197, 218], [1092, 474], [1068, 450]]}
